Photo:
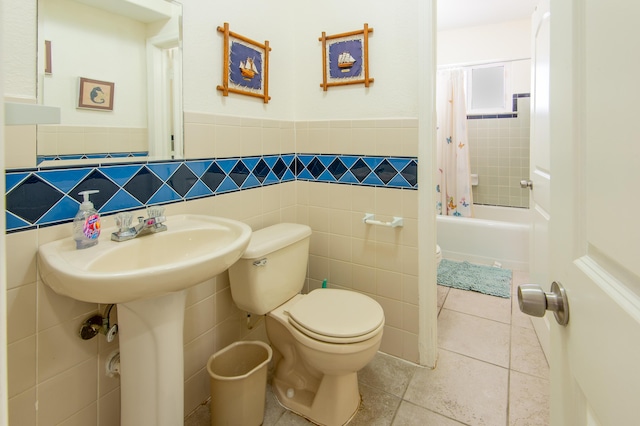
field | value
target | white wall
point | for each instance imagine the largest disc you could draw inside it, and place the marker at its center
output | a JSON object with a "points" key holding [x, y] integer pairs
{"points": [[497, 42], [203, 55], [393, 60], [295, 59], [507, 40]]}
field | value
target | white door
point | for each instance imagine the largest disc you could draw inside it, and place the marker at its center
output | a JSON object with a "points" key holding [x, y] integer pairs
{"points": [[540, 169], [594, 230]]}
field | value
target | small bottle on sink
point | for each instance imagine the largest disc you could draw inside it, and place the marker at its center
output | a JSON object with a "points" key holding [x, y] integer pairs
{"points": [[86, 223]]}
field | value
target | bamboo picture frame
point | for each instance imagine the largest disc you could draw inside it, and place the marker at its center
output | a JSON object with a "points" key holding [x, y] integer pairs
{"points": [[245, 66], [345, 58], [95, 94]]}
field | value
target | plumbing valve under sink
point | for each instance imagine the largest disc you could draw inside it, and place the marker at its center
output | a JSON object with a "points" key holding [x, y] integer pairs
{"points": [[97, 324]]}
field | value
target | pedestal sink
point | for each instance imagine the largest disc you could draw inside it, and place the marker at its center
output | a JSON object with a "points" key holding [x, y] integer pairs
{"points": [[147, 277]]}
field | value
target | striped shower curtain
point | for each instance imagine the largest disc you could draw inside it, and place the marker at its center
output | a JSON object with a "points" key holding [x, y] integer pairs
{"points": [[453, 180]]}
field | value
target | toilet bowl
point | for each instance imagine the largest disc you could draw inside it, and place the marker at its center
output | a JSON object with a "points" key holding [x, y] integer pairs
{"points": [[438, 255], [323, 384], [321, 339]]}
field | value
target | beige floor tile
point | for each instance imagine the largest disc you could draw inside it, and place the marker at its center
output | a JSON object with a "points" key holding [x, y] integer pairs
{"points": [[273, 411], [442, 294], [480, 305], [388, 373], [377, 409], [413, 415], [292, 419], [526, 354], [518, 318], [200, 416], [528, 400], [475, 337], [462, 388]]}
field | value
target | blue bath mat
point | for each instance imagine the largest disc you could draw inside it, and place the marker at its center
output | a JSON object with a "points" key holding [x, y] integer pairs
{"points": [[480, 278]]}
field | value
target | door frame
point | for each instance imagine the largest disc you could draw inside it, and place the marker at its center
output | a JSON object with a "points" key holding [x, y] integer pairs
{"points": [[541, 325], [427, 288]]}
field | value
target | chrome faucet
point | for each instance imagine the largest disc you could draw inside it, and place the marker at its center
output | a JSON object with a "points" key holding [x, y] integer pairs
{"points": [[152, 224]]}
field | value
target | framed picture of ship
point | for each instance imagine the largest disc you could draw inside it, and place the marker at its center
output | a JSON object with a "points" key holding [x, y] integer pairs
{"points": [[345, 58], [245, 68]]}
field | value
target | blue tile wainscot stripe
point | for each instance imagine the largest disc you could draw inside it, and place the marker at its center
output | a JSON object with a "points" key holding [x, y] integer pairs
{"points": [[95, 156], [514, 108], [49, 196]]}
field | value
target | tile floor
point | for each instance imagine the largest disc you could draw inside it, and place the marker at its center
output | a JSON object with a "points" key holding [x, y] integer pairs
{"points": [[491, 371]]}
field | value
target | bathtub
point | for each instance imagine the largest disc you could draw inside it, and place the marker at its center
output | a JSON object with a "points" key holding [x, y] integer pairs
{"points": [[495, 234]]}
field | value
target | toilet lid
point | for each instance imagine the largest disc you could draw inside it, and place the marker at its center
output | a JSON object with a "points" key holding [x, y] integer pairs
{"points": [[338, 316]]}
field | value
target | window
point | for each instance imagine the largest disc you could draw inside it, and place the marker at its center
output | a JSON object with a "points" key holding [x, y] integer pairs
{"points": [[488, 89]]}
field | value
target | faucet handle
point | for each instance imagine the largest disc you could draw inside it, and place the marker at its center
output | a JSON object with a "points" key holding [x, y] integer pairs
{"points": [[123, 220], [155, 211]]}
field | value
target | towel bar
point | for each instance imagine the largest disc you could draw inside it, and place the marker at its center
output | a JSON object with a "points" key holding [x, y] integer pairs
{"points": [[395, 223]]}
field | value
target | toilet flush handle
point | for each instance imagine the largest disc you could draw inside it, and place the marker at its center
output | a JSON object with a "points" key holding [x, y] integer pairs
{"points": [[260, 262]]}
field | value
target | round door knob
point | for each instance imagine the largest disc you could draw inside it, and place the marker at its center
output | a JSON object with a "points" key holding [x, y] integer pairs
{"points": [[535, 302], [532, 300]]}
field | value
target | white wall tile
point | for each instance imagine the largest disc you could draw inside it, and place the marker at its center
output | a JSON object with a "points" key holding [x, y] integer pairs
{"points": [[67, 393], [21, 360]]}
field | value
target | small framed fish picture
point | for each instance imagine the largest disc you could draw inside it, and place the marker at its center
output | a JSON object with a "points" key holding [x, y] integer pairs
{"points": [[95, 94], [345, 58], [245, 68]]}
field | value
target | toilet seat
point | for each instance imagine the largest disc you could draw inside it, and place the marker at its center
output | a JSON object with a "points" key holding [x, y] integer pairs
{"points": [[337, 316]]}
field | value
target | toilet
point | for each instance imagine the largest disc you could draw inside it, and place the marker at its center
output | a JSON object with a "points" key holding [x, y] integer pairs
{"points": [[321, 339], [438, 255]]}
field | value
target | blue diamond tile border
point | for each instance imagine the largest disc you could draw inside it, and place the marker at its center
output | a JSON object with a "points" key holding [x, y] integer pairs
{"points": [[101, 155], [48, 196]]}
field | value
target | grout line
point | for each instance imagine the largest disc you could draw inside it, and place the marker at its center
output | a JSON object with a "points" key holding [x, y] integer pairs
{"points": [[510, 351], [476, 316]]}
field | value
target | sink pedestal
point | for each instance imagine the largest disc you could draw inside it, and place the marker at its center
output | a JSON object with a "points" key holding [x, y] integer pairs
{"points": [[147, 278], [151, 360]]}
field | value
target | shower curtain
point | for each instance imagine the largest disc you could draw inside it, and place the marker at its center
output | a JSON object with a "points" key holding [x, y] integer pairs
{"points": [[453, 180]]}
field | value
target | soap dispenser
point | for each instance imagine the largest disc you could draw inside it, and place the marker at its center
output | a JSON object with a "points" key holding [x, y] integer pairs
{"points": [[86, 224]]}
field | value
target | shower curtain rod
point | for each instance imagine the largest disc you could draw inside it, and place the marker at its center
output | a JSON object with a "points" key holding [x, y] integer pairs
{"points": [[473, 64]]}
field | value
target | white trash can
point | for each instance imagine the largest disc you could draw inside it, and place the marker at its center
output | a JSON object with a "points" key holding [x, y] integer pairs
{"points": [[238, 383]]}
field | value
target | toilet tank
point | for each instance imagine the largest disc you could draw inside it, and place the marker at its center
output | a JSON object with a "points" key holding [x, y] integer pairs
{"points": [[273, 268]]}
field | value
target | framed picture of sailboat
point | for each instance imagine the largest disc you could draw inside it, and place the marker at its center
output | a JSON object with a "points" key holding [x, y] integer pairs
{"points": [[345, 58], [245, 68]]}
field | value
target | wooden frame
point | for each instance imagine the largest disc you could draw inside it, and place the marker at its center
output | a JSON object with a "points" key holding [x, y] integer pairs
{"points": [[47, 57], [245, 68], [345, 58], [95, 94]]}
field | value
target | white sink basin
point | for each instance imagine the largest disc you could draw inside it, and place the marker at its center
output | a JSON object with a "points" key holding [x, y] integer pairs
{"points": [[192, 250]]}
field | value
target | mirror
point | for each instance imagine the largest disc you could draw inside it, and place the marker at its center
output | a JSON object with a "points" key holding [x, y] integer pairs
{"points": [[114, 68]]}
